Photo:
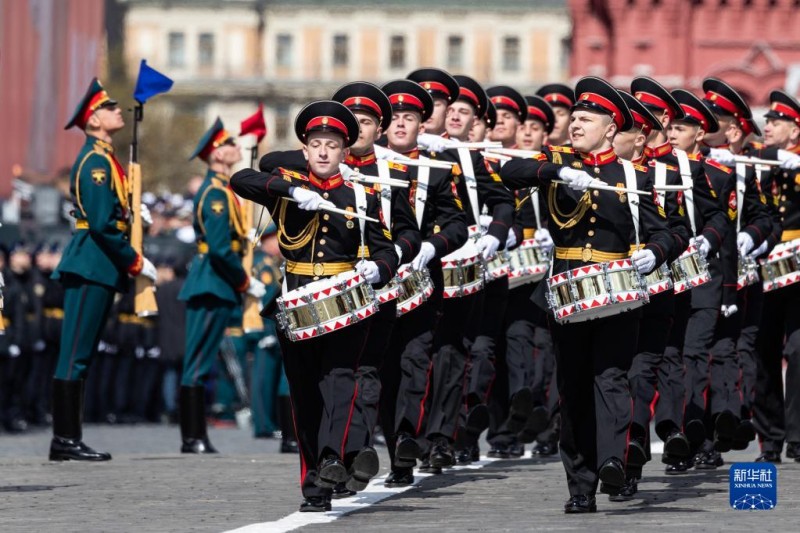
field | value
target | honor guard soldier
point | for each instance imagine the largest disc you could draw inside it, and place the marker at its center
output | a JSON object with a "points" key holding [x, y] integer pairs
{"points": [[321, 369], [561, 98], [216, 281], [777, 419], [96, 264], [593, 357], [442, 224], [753, 226]]}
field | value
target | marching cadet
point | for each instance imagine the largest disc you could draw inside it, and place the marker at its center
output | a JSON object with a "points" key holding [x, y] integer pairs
{"points": [[778, 420], [443, 88], [753, 226], [373, 110], [216, 281], [96, 263], [481, 129], [321, 370], [593, 357], [644, 376], [442, 224], [561, 98]]}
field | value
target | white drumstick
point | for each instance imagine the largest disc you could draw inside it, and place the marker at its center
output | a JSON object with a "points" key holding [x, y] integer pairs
{"points": [[325, 207], [475, 145], [602, 187], [495, 155], [445, 165], [391, 182], [672, 187], [513, 152], [756, 161]]}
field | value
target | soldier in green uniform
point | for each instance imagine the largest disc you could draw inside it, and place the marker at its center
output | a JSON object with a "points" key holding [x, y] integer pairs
{"points": [[97, 263], [215, 282]]}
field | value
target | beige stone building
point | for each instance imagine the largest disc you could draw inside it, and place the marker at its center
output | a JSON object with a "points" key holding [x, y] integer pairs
{"points": [[226, 55]]}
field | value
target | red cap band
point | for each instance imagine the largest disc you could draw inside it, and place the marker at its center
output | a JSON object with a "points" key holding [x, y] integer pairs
{"points": [[96, 101], [719, 100], [558, 98], [695, 114], [784, 109], [330, 122], [651, 99], [505, 101], [463, 92], [535, 112], [642, 122], [435, 86], [406, 99], [364, 102], [606, 104]]}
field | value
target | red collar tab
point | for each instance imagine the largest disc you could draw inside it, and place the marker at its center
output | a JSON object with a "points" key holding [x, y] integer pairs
{"points": [[359, 161], [719, 100], [696, 115], [412, 154], [326, 185], [363, 101], [641, 160], [605, 104], [330, 122], [651, 99], [558, 98], [406, 99], [505, 101], [602, 158]]}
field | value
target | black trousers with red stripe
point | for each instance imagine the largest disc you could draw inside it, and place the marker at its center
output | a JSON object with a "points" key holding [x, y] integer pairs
{"points": [[592, 363], [365, 415], [322, 384]]}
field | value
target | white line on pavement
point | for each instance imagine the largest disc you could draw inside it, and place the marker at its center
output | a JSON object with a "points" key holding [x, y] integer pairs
{"points": [[374, 493]]}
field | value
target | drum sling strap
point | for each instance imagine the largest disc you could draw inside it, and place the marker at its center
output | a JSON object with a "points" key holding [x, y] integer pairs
{"points": [[421, 194], [686, 179], [386, 192], [740, 189], [465, 157]]}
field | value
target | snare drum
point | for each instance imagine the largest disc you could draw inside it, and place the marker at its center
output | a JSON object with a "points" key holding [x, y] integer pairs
{"points": [[596, 291], [748, 273], [689, 270], [529, 263], [658, 280], [497, 267], [388, 292], [416, 285], [782, 266], [325, 306], [463, 272]]}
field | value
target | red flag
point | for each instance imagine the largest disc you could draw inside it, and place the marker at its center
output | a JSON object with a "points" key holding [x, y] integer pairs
{"points": [[255, 125]]}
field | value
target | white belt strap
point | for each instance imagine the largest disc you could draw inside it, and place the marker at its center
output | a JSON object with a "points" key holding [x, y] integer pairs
{"points": [[633, 199], [421, 194], [361, 208], [686, 179], [465, 158], [537, 210], [661, 179], [386, 192], [740, 189]]}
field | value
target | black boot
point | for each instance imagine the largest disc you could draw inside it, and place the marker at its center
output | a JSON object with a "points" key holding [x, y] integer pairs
{"points": [[194, 435], [288, 439], [67, 421]]}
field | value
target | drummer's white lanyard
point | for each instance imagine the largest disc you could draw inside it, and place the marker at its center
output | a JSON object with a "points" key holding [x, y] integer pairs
{"points": [[386, 192], [421, 194], [537, 210], [686, 179], [740, 188], [361, 208], [661, 180], [465, 158], [633, 199]]}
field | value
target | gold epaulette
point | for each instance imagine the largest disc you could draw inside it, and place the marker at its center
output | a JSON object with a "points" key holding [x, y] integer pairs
{"points": [[398, 166], [716, 164], [292, 174]]}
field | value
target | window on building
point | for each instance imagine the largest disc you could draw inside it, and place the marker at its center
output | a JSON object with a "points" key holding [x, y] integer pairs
{"points": [[283, 50], [177, 49], [511, 54], [282, 122], [397, 52], [340, 51], [205, 49], [455, 52]]}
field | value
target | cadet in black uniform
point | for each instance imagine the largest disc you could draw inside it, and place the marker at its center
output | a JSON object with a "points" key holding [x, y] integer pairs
{"points": [[593, 357], [561, 98], [321, 370]]}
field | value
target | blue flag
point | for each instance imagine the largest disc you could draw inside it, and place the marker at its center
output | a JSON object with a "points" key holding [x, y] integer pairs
{"points": [[150, 83]]}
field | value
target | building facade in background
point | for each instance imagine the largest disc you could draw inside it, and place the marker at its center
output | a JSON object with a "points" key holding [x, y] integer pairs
{"points": [[752, 44], [229, 54]]}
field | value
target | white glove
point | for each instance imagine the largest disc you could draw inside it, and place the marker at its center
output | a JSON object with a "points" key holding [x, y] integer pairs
{"points": [[577, 180], [488, 245], [369, 269], [148, 269], [433, 143], [14, 351], [511, 240], [702, 245], [725, 157], [426, 253], [760, 250], [542, 236], [728, 310], [256, 289], [2, 281], [381, 152], [485, 221], [744, 242], [788, 160], [346, 172], [644, 261], [399, 253], [309, 200], [147, 218]]}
